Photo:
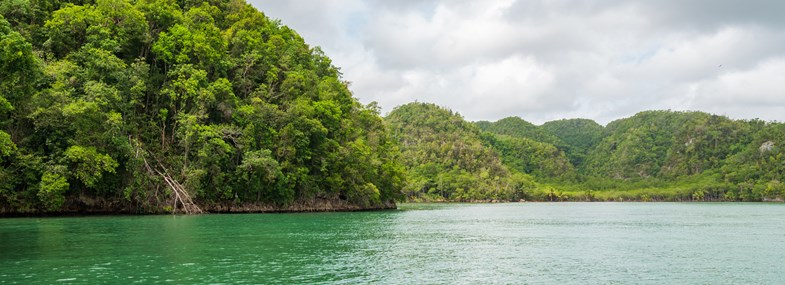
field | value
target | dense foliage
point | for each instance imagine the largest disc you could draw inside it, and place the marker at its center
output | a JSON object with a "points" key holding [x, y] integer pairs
{"points": [[530, 156], [519, 128], [167, 105], [667, 144], [654, 155], [577, 135], [447, 160], [124, 105], [528, 148]]}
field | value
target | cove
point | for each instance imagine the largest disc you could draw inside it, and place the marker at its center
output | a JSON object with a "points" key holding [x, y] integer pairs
{"points": [[513, 243]]}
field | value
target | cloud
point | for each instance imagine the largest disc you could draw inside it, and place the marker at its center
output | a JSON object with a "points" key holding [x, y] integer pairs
{"points": [[520, 83], [544, 60], [757, 89]]}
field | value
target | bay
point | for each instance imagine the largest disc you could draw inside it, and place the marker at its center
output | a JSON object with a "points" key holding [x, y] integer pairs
{"points": [[514, 243]]}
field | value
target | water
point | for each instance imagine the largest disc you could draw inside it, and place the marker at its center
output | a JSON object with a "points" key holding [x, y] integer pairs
{"points": [[525, 243]]}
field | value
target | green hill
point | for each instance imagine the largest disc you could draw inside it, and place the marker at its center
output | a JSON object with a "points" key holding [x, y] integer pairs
{"points": [[578, 135], [446, 159], [159, 105], [527, 148], [540, 159], [519, 128], [667, 145], [153, 106], [657, 155]]}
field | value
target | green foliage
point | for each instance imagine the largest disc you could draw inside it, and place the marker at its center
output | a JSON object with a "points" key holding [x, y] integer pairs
{"points": [[112, 25], [231, 105], [261, 178], [51, 190], [775, 190], [652, 156], [446, 159], [519, 128], [532, 157], [579, 136], [87, 165], [18, 66], [7, 147], [666, 144]]}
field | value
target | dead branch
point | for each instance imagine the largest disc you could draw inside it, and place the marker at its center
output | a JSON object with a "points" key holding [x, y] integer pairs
{"points": [[181, 195]]}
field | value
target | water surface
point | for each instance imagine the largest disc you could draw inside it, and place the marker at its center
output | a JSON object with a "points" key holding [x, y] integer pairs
{"points": [[519, 243]]}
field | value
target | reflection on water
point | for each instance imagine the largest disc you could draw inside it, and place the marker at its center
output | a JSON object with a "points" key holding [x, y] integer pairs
{"points": [[519, 243]]}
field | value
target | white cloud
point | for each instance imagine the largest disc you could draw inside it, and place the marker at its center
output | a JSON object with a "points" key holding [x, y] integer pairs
{"points": [[545, 60], [753, 93], [514, 85]]}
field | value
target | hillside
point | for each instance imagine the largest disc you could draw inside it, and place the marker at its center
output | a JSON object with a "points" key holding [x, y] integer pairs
{"points": [[446, 159], [667, 144], [160, 106], [528, 148], [654, 155], [156, 106], [577, 135], [660, 155], [529, 156], [519, 128]]}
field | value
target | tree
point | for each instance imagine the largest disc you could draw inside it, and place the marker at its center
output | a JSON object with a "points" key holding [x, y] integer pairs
{"points": [[153, 101]]}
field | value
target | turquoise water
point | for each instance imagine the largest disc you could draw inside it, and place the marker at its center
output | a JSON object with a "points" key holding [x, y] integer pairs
{"points": [[521, 243]]}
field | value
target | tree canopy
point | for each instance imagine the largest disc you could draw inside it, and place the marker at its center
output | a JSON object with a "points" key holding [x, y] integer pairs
{"points": [[662, 155], [446, 159], [104, 103], [149, 106]]}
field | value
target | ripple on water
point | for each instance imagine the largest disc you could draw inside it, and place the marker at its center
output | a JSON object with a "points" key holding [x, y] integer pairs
{"points": [[539, 243]]}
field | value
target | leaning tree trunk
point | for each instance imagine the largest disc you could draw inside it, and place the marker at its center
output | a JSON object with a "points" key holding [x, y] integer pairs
{"points": [[181, 195]]}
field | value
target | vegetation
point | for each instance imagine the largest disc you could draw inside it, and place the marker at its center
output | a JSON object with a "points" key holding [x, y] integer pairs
{"points": [[154, 105], [662, 156], [529, 156], [519, 128], [577, 135], [447, 160], [652, 156]]}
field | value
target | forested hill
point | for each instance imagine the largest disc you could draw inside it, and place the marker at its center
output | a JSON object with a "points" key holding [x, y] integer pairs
{"points": [[161, 105], [668, 155], [154, 106], [446, 159], [654, 155]]}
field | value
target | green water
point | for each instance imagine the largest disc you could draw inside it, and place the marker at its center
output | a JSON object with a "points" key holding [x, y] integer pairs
{"points": [[525, 243]]}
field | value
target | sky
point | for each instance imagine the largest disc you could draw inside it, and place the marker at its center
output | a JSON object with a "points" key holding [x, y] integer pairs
{"points": [[543, 60]]}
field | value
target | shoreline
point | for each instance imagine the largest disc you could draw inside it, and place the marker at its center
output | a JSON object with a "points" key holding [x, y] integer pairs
{"points": [[248, 208], [322, 208]]}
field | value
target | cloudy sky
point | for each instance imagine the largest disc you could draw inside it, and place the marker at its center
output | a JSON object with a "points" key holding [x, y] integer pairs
{"points": [[550, 59]]}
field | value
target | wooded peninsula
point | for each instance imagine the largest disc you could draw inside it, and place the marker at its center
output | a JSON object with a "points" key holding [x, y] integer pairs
{"points": [[159, 106]]}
